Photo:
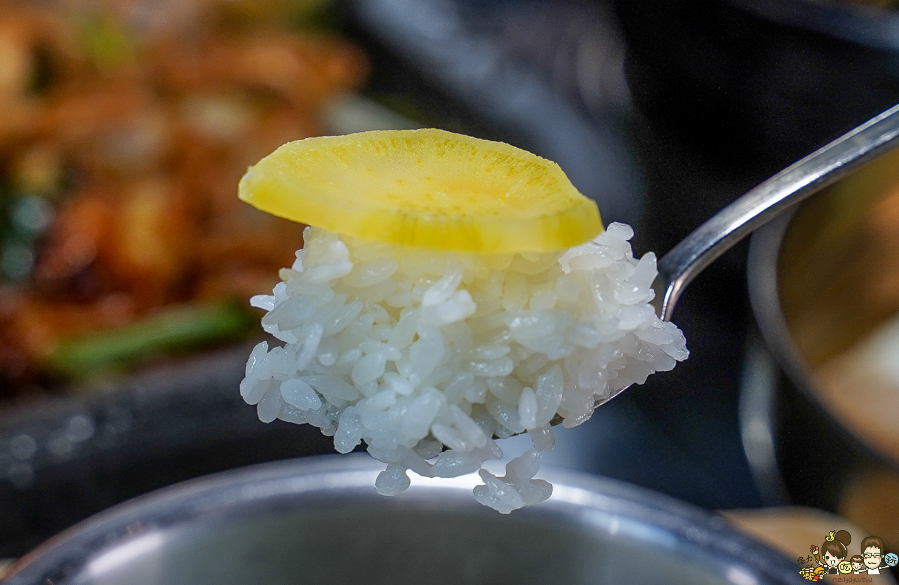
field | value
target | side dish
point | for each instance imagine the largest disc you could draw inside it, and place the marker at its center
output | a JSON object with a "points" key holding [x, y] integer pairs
{"points": [[124, 127]]}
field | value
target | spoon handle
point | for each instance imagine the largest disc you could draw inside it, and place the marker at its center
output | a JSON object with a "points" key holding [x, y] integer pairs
{"points": [[761, 204]]}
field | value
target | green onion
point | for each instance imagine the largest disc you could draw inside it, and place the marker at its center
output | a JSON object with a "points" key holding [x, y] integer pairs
{"points": [[177, 328]]}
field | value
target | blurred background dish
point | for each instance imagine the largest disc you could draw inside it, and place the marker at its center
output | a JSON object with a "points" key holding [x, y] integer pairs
{"points": [[126, 260], [825, 294], [127, 126]]}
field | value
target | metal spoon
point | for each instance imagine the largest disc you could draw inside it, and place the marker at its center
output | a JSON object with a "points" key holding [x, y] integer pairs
{"points": [[766, 201], [763, 203]]}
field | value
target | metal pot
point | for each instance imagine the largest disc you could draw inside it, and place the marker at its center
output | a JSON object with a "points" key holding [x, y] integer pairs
{"points": [[822, 281], [319, 520]]}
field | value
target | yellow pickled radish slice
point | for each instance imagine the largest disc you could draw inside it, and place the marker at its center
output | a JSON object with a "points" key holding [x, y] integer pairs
{"points": [[426, 188]]}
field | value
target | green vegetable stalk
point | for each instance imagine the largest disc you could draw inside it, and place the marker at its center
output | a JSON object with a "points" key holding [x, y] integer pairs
{"points": [[178, 328]]}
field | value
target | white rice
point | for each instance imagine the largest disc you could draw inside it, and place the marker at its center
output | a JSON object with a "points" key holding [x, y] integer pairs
{"points": [[425, 356]]}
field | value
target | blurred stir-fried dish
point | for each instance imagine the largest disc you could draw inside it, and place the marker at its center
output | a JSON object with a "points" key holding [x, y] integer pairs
{"points": [[125, 127]]}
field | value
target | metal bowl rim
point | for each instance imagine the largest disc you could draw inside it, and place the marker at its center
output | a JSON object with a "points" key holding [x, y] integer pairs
{"points": [[578, 497]]}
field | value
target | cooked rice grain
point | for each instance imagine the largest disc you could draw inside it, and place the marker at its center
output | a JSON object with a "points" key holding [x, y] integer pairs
{"points": [[426, 356]]}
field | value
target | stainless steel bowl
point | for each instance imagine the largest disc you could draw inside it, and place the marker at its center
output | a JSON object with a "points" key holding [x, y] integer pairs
{"points": [[319, 520], [821, 282]]}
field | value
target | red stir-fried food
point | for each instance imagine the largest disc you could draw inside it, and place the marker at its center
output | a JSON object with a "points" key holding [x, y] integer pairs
{"points": [[124, 134]]}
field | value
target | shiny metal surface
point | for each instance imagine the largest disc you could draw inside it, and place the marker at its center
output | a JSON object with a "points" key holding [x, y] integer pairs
{"points": [[319, 520], [821, 281], [761, 204]]}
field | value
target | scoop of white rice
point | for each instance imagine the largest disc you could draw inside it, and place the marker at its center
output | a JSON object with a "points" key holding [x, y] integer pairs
{"points": [[426, 356]]}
